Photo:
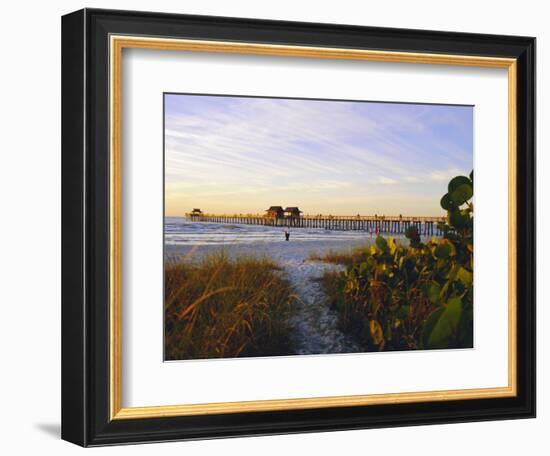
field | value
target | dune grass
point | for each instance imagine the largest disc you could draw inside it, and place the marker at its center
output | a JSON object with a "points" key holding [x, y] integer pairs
{"points": [[221, 308], [343, 257]]}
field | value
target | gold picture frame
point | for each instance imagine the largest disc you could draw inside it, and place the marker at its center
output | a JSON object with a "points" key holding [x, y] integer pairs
{"points": [[117, 46]]}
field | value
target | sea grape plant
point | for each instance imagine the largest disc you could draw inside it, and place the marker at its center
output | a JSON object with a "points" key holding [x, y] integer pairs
{"points": [[419, 296]]}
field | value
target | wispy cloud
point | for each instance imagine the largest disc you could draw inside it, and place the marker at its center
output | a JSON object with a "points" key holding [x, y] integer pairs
{"points": [[241, 154], [443, 175], [387, 180]]}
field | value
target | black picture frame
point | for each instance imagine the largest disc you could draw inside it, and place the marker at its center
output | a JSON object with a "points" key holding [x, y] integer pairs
{"points": [[85, 225]]}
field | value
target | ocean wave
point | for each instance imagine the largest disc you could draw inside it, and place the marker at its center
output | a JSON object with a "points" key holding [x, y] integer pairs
{"points": [[179, 231]]}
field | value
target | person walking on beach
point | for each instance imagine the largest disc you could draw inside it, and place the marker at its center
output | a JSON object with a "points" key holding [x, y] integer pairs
{"points": [[287, 234]]}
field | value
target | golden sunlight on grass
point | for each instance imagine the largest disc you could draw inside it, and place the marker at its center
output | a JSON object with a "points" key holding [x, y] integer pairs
{"points": [[346, 258], [218, 307]]}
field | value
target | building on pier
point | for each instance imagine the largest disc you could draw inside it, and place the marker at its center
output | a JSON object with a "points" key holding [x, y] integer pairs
{"points": [[292, 212], [275, 212]]}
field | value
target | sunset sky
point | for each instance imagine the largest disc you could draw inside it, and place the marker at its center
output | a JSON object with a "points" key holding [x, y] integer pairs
{"points": [[242, 155]]}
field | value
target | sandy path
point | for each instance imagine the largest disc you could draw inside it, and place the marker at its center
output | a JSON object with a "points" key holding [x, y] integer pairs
{"points": [[315, 324]]}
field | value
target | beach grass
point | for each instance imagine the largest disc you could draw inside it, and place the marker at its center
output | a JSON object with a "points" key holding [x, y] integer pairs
{"points": [[342, 257], [221, 307]]}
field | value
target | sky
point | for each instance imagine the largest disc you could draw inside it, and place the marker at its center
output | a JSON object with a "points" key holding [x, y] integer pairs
{"points": [[241, 155]]}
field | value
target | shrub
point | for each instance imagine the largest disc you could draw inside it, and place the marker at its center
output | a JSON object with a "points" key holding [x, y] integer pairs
{"points": [[418, 296]]}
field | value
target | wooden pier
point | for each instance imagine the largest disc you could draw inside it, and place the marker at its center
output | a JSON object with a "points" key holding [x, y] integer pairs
{"points": [[426, 226]]}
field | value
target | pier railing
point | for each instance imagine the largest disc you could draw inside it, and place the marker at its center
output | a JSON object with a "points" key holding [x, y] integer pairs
{"points": [[426, 226]]}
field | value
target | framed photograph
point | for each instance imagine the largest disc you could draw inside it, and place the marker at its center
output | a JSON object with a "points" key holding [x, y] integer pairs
{"points": [[279, 227]]}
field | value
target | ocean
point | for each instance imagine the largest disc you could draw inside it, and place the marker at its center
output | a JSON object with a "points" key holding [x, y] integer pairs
{"points": [[179, 231]]}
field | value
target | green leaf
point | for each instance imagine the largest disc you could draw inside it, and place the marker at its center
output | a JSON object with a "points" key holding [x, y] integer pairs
{"points": [[453, 272], [465, 276], [363, 268], [445, 289], [382, 243], [462, 194], [377, 333], [392, 245], [431, 321], [444, 331], [447, 202], [457, 182], [444, 250], [434, 291], [457, 219], [466, 330]]}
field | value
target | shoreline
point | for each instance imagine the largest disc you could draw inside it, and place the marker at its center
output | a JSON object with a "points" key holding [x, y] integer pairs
{"points": [[279, 251]]}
